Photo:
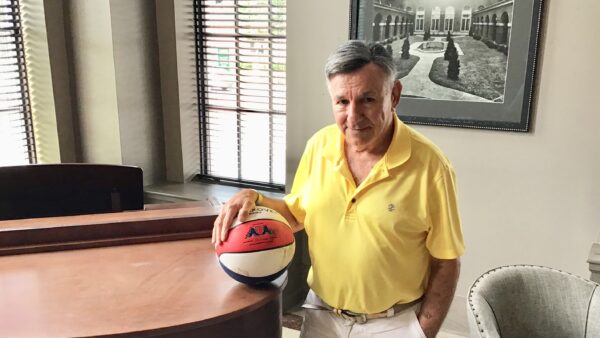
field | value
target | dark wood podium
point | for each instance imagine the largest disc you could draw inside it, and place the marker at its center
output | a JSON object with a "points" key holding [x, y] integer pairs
{"points": [[140, 273]]}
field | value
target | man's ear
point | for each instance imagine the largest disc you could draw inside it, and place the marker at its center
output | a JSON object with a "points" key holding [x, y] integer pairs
{"points": [[396, 91]]}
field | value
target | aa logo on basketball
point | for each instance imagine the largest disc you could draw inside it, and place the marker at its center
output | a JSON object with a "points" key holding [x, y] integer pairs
{"points": [[257, 231]]}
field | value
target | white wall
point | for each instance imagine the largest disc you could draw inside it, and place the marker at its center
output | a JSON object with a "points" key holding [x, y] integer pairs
{"points": [[137, 86], [116, 84], [525, 197], [178, 89], [93, 67]]}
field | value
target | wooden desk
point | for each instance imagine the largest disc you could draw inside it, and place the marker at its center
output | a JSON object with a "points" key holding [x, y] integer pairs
{"points": [[165, 288]]}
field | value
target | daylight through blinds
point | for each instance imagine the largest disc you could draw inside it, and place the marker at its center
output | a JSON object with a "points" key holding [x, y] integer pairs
{"points": [[242, 89], [16, 133]]}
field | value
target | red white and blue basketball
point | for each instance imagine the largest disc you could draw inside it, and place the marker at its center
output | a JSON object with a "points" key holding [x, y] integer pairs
{"points": [[259, 249]]}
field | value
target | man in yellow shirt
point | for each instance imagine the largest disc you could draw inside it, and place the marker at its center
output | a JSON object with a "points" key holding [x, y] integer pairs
{"points": [[378, 203]]}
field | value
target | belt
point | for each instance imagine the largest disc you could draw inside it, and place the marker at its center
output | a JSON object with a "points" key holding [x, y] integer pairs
{"points": [[361, 318]]}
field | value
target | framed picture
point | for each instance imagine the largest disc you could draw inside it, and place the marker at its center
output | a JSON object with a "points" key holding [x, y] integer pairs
{"points": [[462, 63]]}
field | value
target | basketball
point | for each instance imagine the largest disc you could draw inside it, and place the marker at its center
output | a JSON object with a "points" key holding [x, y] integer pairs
{"points": [[259, 249]]}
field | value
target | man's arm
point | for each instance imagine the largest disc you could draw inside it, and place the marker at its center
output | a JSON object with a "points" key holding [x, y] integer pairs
{"points": [[439, 294]]}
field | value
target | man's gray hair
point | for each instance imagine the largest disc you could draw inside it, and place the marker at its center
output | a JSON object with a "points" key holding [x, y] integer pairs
{"points": [[354, 54]]}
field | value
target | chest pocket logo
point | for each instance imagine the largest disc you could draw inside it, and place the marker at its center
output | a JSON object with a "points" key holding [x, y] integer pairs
{"points": [[391, 207]]}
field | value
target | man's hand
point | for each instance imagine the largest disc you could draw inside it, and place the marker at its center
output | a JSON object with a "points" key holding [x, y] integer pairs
{"points": [[237, 207]]}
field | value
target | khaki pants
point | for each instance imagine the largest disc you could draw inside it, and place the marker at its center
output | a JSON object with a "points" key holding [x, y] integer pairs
{"points": [[326, 324]]}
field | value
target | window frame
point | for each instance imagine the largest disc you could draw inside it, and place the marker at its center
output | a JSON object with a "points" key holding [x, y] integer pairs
{"points": [[203, 118], [23, 111]]}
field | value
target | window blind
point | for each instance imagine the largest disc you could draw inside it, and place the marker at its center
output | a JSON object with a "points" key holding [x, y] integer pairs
{"points": [[17, 144], [241, 68]]}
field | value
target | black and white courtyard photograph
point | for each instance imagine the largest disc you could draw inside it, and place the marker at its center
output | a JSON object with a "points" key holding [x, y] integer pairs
{"points": [[456, 51]]}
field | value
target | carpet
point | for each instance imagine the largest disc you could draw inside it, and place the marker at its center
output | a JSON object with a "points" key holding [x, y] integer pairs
{"points": [[292, 321]]}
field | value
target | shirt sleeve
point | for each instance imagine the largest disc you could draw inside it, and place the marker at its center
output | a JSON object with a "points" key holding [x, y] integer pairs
{"points": [[296, 198], [445, 239]]}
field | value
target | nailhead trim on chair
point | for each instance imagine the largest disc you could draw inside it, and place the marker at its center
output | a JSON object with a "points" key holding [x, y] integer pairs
{"points": [[478, 280]]}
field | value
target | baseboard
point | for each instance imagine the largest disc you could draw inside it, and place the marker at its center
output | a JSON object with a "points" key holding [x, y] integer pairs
{"points": [[456, 320]]}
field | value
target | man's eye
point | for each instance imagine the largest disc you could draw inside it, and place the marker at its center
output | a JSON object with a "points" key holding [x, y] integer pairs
{"points": [[370, 99], [342, 102]]}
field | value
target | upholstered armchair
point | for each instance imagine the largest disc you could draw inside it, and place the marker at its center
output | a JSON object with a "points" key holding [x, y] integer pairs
{"points": [[524, 301]]}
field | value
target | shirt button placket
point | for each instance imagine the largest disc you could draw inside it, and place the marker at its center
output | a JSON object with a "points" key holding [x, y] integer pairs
{"points": [[351, 210], [351, 207]]}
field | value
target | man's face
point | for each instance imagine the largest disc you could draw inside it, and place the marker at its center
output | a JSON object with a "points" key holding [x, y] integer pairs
{"points": [[363, 106]]}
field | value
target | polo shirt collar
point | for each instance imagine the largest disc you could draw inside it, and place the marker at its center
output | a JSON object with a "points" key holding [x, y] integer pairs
{"points": [[334, 152], [398, 152], [400, 148]]}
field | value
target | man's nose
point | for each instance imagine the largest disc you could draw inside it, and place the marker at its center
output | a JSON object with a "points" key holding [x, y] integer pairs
{"points": [[353, 112]]}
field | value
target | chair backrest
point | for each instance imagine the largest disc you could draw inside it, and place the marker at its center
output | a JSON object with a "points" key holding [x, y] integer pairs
{"points": [[44, 190], [533, 301], [593, 324]]}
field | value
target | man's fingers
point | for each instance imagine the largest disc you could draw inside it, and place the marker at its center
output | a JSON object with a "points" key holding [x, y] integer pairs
{"points": [[227, 221], [216, 226], [245, 210]]}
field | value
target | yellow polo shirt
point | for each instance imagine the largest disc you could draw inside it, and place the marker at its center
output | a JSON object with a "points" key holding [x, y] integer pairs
{"points": [[370, 244]]}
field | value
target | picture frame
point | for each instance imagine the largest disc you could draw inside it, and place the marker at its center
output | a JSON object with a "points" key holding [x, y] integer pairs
{"points": [[495, 47]]}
